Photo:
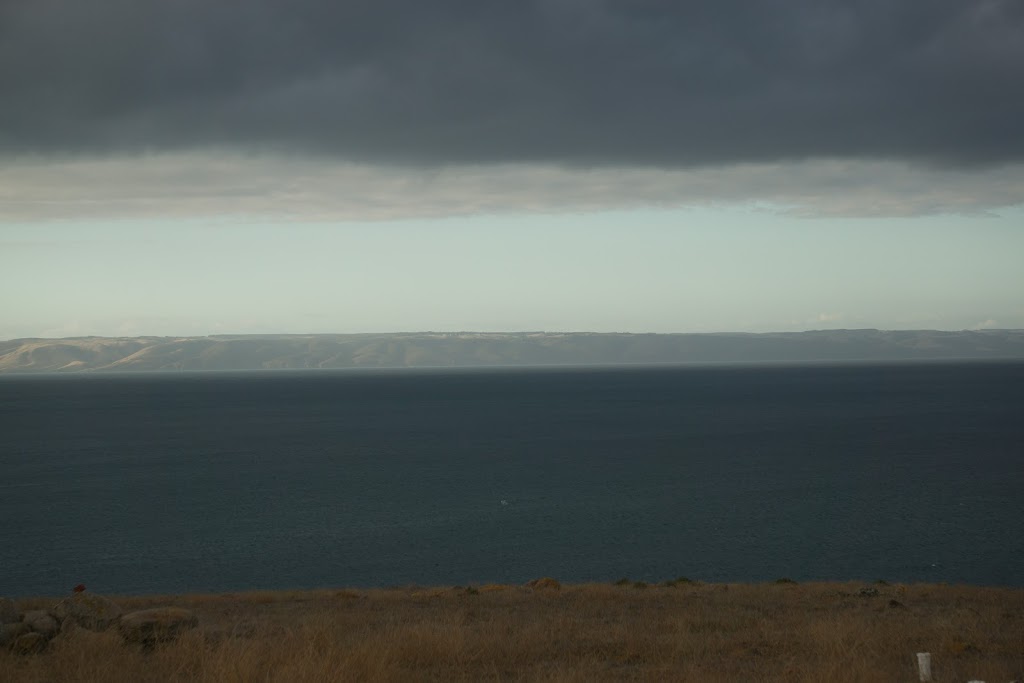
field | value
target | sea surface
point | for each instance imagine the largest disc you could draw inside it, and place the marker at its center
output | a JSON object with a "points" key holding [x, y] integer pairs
{"points": [[233, 481]]}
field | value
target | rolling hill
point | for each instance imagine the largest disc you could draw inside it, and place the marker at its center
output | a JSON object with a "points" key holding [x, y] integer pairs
{"points": [[464, 349]]}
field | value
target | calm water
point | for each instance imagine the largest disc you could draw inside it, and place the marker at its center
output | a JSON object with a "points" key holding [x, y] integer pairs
{"points": [[223, 482]]}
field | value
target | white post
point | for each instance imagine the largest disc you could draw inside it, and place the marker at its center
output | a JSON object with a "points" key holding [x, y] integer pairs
{"points": [[924, 666]]}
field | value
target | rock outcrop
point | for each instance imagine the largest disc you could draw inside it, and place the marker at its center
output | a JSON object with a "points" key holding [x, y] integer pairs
{"points": [[11, 632], [160, 624], [88, 610], [29, 643], [42, 622], [32, 631]]}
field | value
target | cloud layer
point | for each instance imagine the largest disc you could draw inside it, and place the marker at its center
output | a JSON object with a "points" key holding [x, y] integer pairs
{"points": [[194, 185], [611, 83]]}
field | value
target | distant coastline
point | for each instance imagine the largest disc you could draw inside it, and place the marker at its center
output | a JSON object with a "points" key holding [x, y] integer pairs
{"points": [[476, 349]]}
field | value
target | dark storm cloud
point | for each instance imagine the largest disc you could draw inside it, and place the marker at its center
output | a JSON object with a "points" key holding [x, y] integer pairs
{"points": [[620, 82]]}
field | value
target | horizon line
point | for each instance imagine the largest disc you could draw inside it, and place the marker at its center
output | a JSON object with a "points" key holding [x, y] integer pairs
{"points": [[509, 333]]}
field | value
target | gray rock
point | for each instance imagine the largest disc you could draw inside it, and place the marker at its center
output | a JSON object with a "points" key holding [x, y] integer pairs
{"points": [[88, 610], [8, 613], [68, 626], [867, 592], [159, 624], [10, 632], [40, 621], [29, 643]]}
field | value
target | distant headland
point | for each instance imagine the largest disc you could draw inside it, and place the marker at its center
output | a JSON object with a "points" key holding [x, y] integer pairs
{"points": [[477, 349]]}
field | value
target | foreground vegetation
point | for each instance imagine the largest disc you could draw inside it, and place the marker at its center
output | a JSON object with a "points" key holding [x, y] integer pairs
{"points": [[679, 631]]}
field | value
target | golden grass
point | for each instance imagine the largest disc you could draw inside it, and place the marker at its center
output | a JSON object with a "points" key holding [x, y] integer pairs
{"points": [[681, 632]]}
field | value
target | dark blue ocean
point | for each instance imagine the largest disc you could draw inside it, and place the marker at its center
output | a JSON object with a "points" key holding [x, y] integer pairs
{"points": [[234, 481]]}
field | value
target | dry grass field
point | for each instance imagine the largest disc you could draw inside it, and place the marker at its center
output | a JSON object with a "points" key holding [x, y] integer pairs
{"points": [[683, 632]]}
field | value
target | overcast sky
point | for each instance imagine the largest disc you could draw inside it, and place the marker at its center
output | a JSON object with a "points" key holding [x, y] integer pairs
{"points": [[196, 167]]}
